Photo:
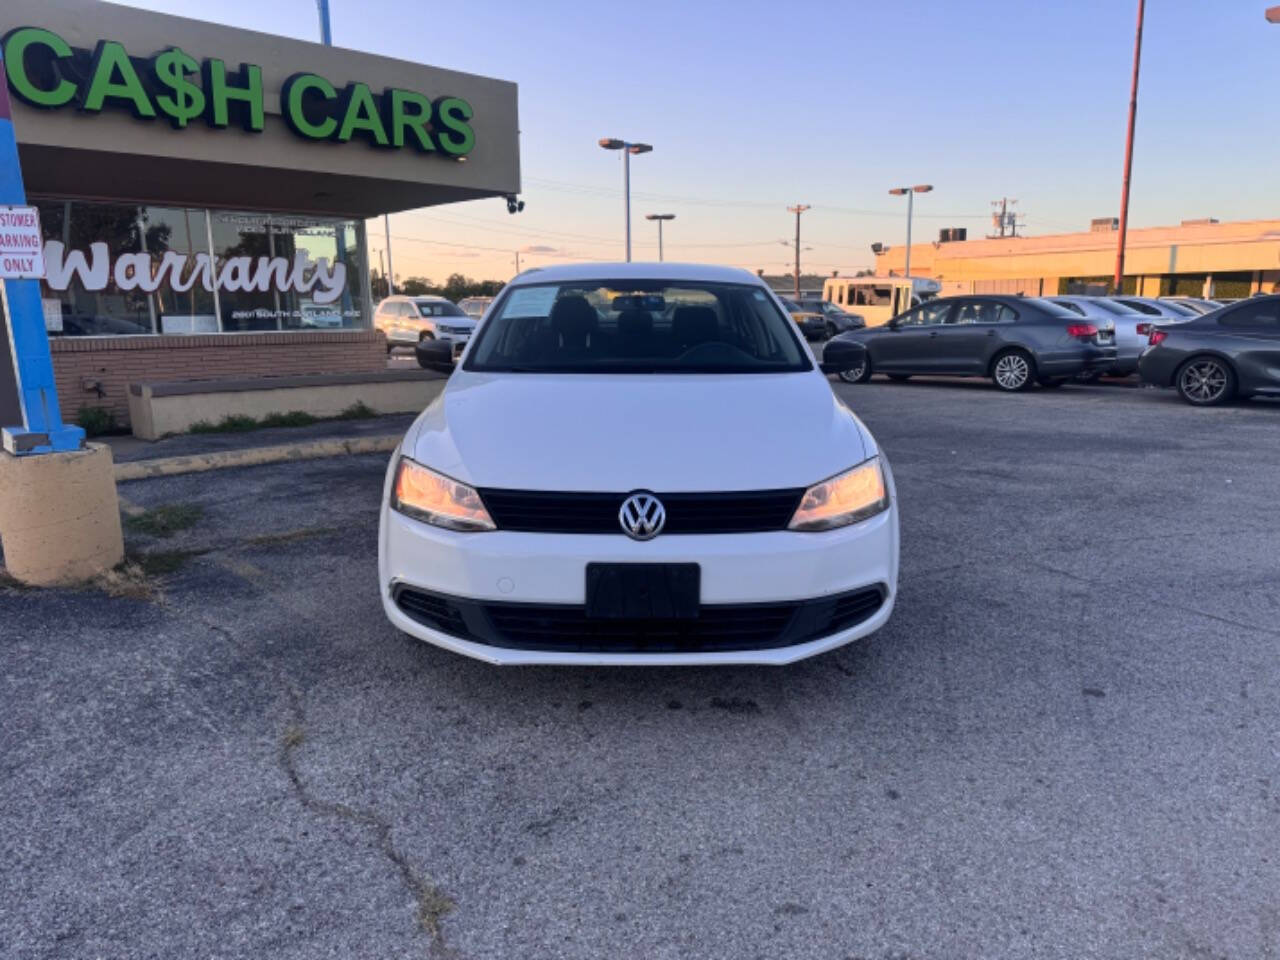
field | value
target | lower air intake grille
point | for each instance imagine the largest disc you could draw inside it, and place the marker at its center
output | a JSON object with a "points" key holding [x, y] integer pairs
{"points": [[567, 628]]}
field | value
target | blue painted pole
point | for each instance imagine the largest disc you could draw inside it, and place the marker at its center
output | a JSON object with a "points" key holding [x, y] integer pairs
{"points": [[42, 429], [325, 36]]}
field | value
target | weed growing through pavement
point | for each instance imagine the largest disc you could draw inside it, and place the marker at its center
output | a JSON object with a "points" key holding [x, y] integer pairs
{"points": [[165, 520]]}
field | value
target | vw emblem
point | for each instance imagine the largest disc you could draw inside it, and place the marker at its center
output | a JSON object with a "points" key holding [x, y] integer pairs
{"points": [[642, 516]]}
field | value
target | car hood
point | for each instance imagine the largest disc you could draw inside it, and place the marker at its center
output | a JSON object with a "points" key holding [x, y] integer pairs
{"points": [[620, 432]]}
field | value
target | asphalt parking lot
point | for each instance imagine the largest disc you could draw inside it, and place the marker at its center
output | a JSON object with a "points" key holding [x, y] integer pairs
{"points": [[1064, 744]]}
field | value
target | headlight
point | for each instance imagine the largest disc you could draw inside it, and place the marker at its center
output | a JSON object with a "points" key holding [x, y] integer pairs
{"points": [[434, 498], [844, 499]]}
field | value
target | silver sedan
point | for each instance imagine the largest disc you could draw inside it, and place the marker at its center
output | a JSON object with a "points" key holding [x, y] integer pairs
{"points": [[1124, 319]]}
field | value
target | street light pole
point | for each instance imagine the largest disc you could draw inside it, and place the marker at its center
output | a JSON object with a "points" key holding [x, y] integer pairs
{"points": [[627, 148], [660, 217], [798, 209], [1128, 151], [910, 194]]}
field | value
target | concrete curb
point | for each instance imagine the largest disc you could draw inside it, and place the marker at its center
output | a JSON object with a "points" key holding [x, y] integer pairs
{"points": [[254, 456]]}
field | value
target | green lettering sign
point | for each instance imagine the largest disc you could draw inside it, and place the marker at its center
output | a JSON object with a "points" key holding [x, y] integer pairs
{"points": [[247, 94], [185, 100], [409, 112], [453, 132], [46, 71], [16, 44], [113, 77], [293, 99], [360, 115]]}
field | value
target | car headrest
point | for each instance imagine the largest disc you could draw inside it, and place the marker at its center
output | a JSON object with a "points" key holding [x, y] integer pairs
{"points": [[693, 325], [573, 316], [635, 323]]}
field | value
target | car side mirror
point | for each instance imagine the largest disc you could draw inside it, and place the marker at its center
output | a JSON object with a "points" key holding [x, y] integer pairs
{"points": [[840, 355], [893, 323], [434, 355]]}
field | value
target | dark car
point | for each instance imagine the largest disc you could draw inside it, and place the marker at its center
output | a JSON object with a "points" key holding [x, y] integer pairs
{"points": [[1016, 341], [808, 318], [1232, 352], [838, 320]]}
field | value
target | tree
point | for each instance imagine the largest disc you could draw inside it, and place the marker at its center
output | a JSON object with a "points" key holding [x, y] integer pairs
{"points": [[417, 287]]}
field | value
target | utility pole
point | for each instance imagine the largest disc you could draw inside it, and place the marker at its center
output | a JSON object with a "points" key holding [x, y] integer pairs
{"points": [[1128, 151], [391, 282], [798, 209], [517, 263], [1004, 220]]}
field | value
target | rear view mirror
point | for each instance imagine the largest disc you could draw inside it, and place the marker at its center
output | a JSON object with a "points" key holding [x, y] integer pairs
{"points": [[434, 355], [653, 302], [840, 356]]}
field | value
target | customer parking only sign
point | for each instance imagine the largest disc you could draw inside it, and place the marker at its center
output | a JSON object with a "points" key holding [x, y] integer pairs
{"points": [[21, 245]]}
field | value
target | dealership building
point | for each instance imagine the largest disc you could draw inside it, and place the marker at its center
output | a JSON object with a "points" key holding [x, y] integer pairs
{"points": [[203, 190], [1195, 258]]}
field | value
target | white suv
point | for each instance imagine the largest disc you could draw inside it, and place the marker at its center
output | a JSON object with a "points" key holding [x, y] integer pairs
{"points": [[639, 464], [409, 320]]}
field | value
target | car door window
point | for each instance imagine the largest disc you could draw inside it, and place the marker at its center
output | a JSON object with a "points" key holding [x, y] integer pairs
{"points": [[983, 311], [925, 315], [1262, 316]]}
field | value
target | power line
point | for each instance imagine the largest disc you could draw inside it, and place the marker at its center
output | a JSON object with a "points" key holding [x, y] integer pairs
{"points": [[584, 189]]}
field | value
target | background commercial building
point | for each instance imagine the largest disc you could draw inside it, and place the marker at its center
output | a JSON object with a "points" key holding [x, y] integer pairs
{"points": [[203, 190], [1196, 258]]}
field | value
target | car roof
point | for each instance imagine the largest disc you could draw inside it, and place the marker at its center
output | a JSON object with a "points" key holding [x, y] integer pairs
{"points": [[571, 272]]}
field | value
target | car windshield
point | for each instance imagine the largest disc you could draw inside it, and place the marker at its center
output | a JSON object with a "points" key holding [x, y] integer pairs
{"points": [[1146, 308], [1111, 306], [1056, 309], [637, 326], [438, 308]]}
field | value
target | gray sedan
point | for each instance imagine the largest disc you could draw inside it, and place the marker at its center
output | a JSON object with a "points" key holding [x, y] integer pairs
{"points": [[1211, 359], [1160, 311], [1125, 321], [1016, 341], [1197, 305]]}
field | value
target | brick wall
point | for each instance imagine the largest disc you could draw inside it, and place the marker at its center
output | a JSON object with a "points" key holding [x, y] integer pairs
{"points": [[116, 362]]}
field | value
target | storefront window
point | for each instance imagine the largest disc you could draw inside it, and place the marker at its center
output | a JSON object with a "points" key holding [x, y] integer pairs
{"points": [[288, 273], [116, 269]]}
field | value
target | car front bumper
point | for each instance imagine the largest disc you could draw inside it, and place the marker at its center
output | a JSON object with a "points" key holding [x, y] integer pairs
{"points": [[507, 567]]}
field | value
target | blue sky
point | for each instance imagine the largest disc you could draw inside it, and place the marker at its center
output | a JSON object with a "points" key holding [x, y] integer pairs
{"points": [[754, 106]]}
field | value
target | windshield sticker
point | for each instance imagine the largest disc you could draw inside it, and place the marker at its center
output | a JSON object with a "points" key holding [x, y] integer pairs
{"points": [[531, 302]]}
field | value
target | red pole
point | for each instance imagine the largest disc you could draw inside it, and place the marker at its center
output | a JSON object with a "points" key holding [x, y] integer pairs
{"points": [[1128, 151]]}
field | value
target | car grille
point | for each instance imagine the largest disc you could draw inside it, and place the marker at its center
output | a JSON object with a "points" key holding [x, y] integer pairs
{"points": [[565, 628], [537, 511], [446, 328]]}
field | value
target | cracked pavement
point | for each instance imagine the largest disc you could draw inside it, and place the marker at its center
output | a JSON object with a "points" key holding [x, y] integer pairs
{"points": [[1064, 744]]}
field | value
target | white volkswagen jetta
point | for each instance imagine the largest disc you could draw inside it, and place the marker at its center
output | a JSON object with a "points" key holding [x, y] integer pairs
{"points": [[638, 464]]}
